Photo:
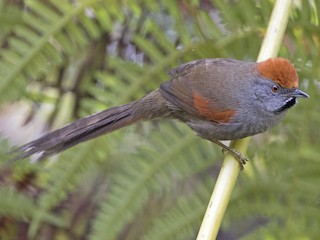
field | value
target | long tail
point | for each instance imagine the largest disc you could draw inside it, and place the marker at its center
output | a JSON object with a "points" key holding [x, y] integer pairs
{"points": [[151, 106]]}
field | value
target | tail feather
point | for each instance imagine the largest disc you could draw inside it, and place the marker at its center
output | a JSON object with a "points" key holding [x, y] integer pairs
{"points": [[151, 106], [78, 131]]}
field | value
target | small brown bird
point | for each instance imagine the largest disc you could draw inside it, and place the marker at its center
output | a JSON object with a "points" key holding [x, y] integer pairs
{"points": [[220, 99]]}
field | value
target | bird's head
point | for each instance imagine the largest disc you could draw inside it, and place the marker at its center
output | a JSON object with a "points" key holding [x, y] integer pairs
{"points": [[277, 88]]}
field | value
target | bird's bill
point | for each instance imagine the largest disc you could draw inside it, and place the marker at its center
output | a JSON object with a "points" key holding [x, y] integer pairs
{"points": [[300, 94]]}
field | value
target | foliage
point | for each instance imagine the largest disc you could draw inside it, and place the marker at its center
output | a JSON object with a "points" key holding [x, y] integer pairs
{"points": [[151, 180]]}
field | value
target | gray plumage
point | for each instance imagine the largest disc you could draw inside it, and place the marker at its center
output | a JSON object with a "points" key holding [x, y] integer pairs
{"points": [[220, 99]]}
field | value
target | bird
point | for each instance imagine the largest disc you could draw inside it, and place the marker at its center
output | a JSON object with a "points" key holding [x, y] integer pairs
{"points": [[218, 98]]}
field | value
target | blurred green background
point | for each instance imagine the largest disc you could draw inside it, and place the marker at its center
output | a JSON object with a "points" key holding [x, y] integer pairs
{"points": [[62, 60]]}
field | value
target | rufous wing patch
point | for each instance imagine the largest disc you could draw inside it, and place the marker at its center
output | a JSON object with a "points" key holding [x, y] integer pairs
{"points": [[207, 111], [280, 70]]}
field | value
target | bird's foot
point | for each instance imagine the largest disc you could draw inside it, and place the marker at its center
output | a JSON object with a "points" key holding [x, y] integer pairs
{"points": [[237, 155], [234, 152]]}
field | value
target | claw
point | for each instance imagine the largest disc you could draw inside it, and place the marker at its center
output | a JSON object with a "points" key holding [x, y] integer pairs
{"points": [[237, 155]]}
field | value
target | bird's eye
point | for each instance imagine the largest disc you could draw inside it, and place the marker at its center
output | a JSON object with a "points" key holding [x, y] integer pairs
{"points": [[275, 88]]}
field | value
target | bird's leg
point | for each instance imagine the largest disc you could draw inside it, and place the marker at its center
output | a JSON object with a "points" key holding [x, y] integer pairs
{"points": [[238, 156]]}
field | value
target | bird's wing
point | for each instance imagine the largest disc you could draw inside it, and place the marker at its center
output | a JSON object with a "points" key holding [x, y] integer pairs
{"points": [[191, 90]]}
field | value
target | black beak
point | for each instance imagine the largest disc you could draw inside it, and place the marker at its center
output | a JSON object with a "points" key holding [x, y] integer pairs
{"points": [[299, 94]]}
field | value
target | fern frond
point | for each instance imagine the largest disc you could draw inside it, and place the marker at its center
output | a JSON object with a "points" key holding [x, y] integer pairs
{"points": [[138, 42], [189, 209], [142, 174], [21, 207], [39, 44], [63, 179]]}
